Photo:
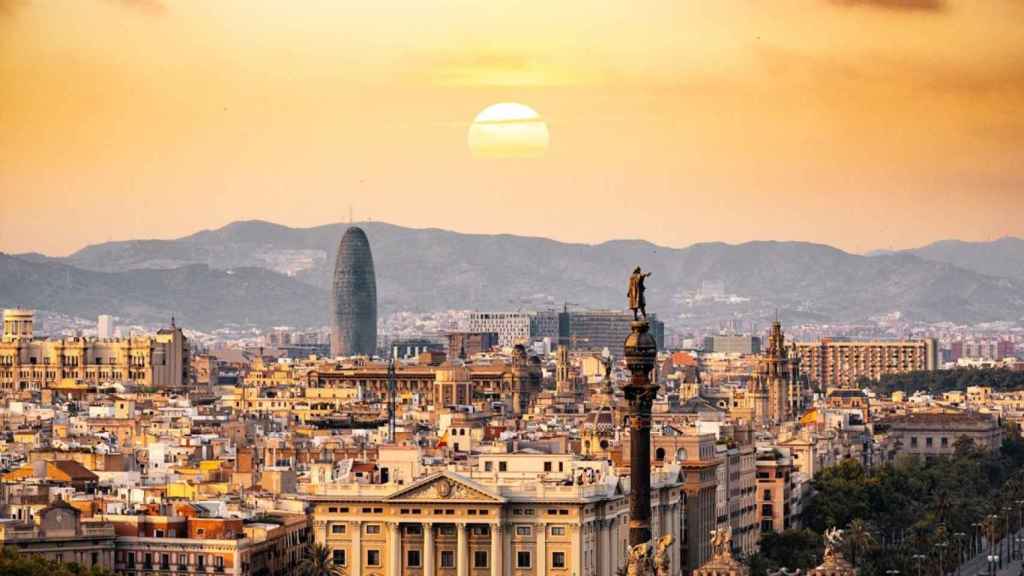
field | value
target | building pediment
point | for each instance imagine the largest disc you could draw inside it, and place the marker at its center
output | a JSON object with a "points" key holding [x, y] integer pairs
{"points": [[445, 487]]}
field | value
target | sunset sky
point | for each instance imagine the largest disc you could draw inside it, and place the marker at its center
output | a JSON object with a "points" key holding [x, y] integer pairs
{"points": [[862, 124]]}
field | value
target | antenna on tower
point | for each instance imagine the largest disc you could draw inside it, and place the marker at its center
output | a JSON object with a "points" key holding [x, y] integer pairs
{"points": [[349, 213]]}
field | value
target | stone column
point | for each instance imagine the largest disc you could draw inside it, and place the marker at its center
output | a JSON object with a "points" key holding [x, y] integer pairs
{"points": [[395, 549], [605, 549], [577, 549], [541, 561], [462, 551], [497, 549], [641, 351], [356, 559], [428, 549]]}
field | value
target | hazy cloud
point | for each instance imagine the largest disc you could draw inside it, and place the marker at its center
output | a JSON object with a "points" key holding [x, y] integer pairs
{"points": [[919, 5], [152, 7]]}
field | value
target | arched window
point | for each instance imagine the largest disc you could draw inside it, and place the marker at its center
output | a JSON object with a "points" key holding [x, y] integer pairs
{"points": [[659, 454], [681, 455]]}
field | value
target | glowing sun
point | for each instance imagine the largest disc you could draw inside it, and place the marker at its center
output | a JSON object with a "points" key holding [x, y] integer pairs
{"points": [[508, 130]]}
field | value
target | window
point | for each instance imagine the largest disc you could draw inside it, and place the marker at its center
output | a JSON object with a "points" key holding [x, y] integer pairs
{"points": [[338, 557], [558, 530], [479, 559], [928, 441], [200, 531], [131, 559], [945, 442], [488, 466], [547, 466], [373, 557], [414, 529], [218, 561], [524, 531], [182, 559], [503, 466], [913, 441], [659, 454], [201, 561], [412, 558], [447, 559], [558, 559], [767, 495], [373, 528], [523, 559], [337, 528]]}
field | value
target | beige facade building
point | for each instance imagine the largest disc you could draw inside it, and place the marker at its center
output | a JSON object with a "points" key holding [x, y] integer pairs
{"points": [[495, 521], [29, 363], [834, 363], [936, 433]]}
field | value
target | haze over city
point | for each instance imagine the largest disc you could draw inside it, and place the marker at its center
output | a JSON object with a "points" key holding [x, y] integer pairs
{"points": [[512, 288], [861, 124]]}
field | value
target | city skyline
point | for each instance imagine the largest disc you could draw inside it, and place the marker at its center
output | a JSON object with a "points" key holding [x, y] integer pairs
{"points": [[737, 122]]}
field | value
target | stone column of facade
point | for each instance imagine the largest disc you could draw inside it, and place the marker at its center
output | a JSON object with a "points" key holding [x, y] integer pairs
{"points": [[356, 560], [577, 549], [462, 549], [428, 549], [394, 549], [605, 549], [497, 549], [541, 561]]}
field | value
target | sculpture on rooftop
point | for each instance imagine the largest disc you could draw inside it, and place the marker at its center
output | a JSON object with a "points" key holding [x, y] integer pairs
{"points": [[833, 540], [662, 557], [721, 542], [637, 301], [639, 560]]}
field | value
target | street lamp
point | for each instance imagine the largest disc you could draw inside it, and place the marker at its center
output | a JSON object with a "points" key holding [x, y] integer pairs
{"points": [[1006, 515], [919, 558], [942, 553], [959, 536], [992, 559]]}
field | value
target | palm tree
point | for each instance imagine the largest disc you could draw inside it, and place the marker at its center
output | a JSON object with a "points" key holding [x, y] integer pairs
{"points": [[859, 538], [319, 561]]}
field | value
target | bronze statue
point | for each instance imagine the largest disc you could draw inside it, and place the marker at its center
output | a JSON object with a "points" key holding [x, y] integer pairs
{"points": [[721, 542], [833, 541], [636, 293], [662, 557], [639, 560]]}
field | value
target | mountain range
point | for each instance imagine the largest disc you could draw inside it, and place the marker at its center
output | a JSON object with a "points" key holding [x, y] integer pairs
{"points": [[263, 274]]}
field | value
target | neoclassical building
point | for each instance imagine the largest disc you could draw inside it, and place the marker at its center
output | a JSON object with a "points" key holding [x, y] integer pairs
{"points": [[500, 519], [30, 363]]}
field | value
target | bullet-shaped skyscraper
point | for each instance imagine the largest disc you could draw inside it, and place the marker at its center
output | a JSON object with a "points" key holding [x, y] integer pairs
{"points": [[354, 297]]}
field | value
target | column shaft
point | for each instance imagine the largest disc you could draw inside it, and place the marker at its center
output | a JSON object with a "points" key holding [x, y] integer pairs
{"points": [[541, 561], [356, 559], [428, 549], [395, 549], [497, 547], [462, 552]]}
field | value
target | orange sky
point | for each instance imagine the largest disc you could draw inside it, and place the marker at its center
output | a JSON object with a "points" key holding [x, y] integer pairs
{"points": [[859, 123]]}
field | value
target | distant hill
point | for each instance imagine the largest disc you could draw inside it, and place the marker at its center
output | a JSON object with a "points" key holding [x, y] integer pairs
{"points": [[281, 276], [197, 295], [1002, 257]]}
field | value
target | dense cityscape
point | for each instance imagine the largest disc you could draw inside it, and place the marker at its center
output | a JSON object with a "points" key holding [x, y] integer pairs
{"points": [[502, 442], [511, 288]]}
